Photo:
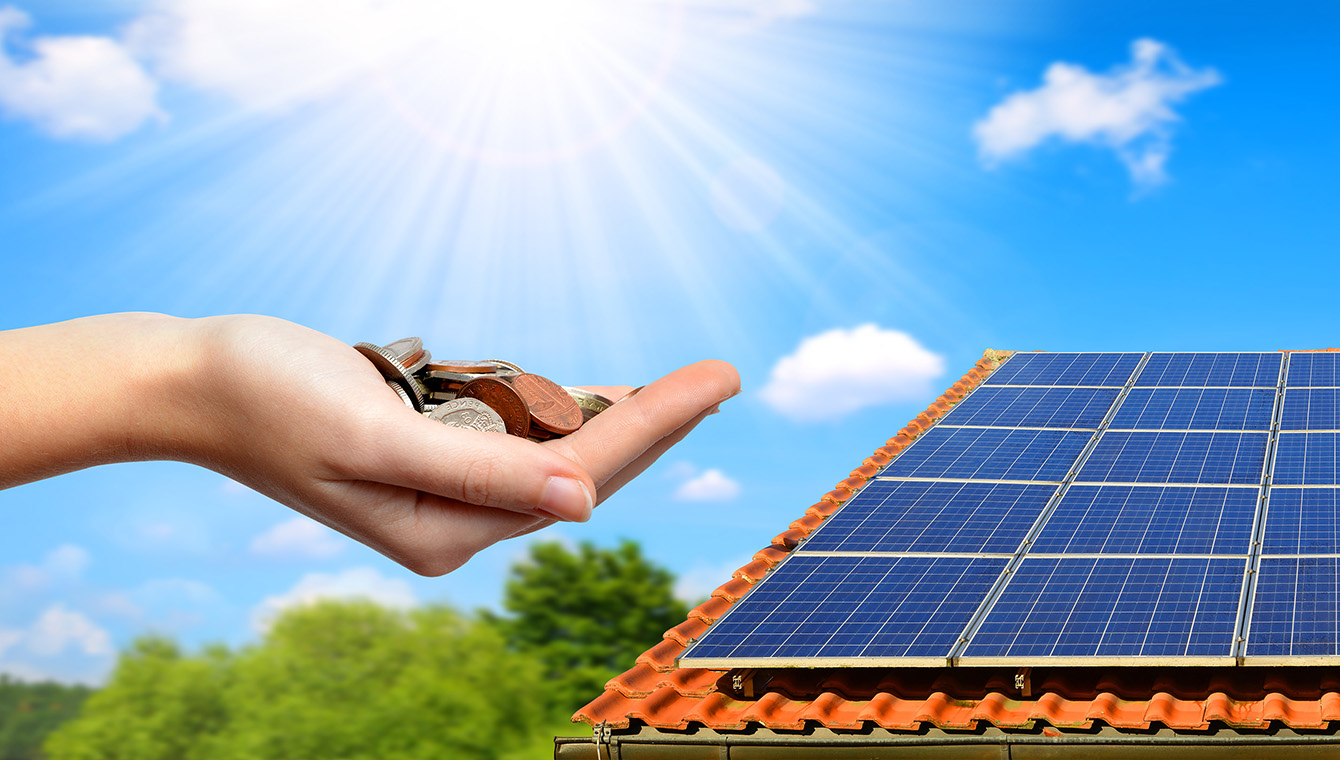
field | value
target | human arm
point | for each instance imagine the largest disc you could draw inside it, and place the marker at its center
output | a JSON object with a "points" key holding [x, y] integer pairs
{"points": [[306, 420]]}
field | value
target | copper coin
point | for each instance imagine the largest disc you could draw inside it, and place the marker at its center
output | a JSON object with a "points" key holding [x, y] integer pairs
{"points": [[503, 399], [550, 406], [461, 366]]}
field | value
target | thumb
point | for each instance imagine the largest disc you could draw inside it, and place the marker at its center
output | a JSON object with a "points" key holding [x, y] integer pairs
{"points": [[485, 469]]}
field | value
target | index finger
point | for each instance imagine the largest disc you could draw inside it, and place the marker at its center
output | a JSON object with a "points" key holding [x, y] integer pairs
{"points": [[620, 435]]}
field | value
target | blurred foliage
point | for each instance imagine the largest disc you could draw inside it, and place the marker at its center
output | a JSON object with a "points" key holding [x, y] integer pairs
{"points": [[356, 681], [30, 711], [587, 614]]}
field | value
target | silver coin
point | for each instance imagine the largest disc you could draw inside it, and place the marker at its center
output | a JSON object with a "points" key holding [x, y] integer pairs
{"points": [[425, 356], [469, 414], [399, 391], [506, 365], [391, 369], [439, 397], [405, 350], [590, 403]]}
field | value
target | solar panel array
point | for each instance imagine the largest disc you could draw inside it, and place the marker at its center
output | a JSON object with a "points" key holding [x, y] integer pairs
{"points": [[1081, 508]]}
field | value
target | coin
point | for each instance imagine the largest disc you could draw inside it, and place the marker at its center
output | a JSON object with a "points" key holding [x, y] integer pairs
{"points": [[503, 399], [506, 366], [590, 403], [391, 369], [462, 366], [409, 402], [469, 414], [551, 407]]}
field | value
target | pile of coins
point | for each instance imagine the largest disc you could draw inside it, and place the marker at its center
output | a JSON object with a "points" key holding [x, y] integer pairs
{"points": [[492, 396]]}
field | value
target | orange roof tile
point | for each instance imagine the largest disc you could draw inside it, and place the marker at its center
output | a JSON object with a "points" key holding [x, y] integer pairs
{"points": [[661, 695]]}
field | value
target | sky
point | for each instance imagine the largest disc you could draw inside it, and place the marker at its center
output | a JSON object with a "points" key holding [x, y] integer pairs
{"points": [[850, 201]]}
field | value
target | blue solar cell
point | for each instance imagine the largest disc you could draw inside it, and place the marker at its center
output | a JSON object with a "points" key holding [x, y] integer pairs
{"points": [[1317, 370], [1198, 370], [1033, 407], [990, 453], [1210, 458], [1111, 370], [1295, 610], [1114, 607], [1306, 459], [1195, 409], [1311, 409], [853, 607], [1302, 521], [918, 516], [1150, 520]]}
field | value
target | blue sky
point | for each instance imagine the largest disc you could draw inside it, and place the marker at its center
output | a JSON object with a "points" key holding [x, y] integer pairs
{"points": [[848, 200]]}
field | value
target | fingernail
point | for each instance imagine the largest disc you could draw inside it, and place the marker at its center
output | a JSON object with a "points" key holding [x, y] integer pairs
{"points": [[714, 410], [566, 499]]}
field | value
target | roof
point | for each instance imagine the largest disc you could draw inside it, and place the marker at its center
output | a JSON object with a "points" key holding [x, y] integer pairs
{"points": [[657, 694]]}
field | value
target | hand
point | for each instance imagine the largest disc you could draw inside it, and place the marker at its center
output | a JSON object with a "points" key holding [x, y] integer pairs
{"points": [[307, 420]]}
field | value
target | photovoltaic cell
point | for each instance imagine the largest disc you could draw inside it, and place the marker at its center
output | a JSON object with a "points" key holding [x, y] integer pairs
{"points": [[917, 516], [1033, 407], [1198, 370], [1114, 607], [1195, 409], [1305, 459], [1302, 521], [1111, 370], [1295, 609], [1308, 369], [1150, 520], [1210, 458], [853, 607], [990, 453], [1310, 409]]}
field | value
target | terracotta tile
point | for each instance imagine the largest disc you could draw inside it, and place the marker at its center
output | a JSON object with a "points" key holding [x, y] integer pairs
{"points": [[822, 509], [836, 496], [808, 523], [686, 631], [771, 555], [889, 451], [864, 473], [732, 589], [662, 656], [710, 610], [852, 483], [754, 571], [688, 682], [787, 539]]}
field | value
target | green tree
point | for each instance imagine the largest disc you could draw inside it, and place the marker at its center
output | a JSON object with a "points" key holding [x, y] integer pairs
{"points": [[157, 704], [587, 614], [334, 681], [31, 711]]}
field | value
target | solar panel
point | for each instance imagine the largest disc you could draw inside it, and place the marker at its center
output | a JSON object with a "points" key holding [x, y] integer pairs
{"points": [[1033, 407], [1302, 521], [1195, 409], [815, 608], [990, 453], [1092, 509], [1314, 370], [1150, 520], [1199, 370], [1114, 607], [1305, 459], [1296, 610], [1310, 409], [1211, 458], [1111, 370], [919, 516]]}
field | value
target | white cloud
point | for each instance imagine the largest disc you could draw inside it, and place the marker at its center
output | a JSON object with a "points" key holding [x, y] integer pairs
{"points": [[711, 485], [353, 583], [835, 373], [1128, 109], [64, 564], [299, 538], [74, 87], [58, 629]]}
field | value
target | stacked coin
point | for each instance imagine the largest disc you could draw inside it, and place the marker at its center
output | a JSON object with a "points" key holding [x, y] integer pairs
{"points": [[491, 395]]}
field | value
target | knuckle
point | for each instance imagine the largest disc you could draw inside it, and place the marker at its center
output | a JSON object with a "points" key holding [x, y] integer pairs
{"points": [[482, 482]]}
